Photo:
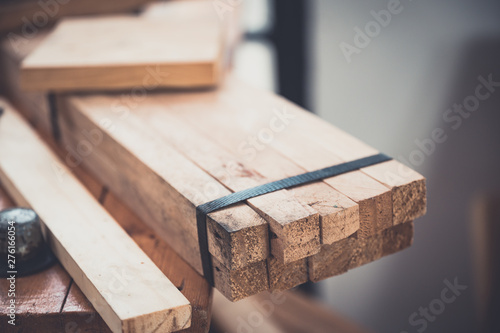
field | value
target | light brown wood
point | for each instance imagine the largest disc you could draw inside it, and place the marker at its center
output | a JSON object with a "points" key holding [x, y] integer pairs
{"points": [[217, 120], [296, 229], [191, 284], [286, 276], [119, 52], [21, 20], [310, 141], [159, 187], [108, 266], [353, 252], [407, 186], [43, 309], [374, 198], [241, 283]]}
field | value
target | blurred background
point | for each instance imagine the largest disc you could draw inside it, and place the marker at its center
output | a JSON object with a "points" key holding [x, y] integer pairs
{"points": [[392, 81]]}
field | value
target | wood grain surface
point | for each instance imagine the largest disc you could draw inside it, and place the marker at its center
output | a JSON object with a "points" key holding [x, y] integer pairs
{"points": [[117, 52]]}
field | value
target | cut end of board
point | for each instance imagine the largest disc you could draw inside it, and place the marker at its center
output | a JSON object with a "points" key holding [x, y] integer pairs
{"points": [[411, 201], [352, 252], [296, 240], [238, 284], [161, 321]]}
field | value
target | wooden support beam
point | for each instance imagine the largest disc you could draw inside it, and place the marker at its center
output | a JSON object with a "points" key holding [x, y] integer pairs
{"points": [[88, 242]]}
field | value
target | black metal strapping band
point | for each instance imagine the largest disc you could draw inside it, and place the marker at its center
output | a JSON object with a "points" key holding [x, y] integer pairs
{"points": [[203, 210]]}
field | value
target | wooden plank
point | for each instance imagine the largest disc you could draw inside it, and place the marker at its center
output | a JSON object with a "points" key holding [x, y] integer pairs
{"points": [[143, 54], [310, 141], [296, 229], [75, 311], [408, 189], [353, 252], [21, 20], [44, 303], [224, 117], [191, 284], [338, 214], [147, 180], [27, 172]]}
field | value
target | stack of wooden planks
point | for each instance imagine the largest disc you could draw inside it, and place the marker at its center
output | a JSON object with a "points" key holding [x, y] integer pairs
{"points": [[166, 152], [176, 151]]}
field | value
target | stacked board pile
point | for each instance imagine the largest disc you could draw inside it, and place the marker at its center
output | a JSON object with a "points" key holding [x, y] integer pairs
{"points": [[176, 151], [170, 152], [166, 153]]}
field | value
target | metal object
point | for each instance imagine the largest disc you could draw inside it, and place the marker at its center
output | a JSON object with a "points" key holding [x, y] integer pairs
{"points": [[20, 229]]}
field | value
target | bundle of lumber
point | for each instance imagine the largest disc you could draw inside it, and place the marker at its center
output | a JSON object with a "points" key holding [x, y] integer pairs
{"points": [[176, 151], [165, 153]]}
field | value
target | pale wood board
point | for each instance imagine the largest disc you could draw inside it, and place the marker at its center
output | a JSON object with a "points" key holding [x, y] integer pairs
{"points": [[91, 246], [119, 52]]}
